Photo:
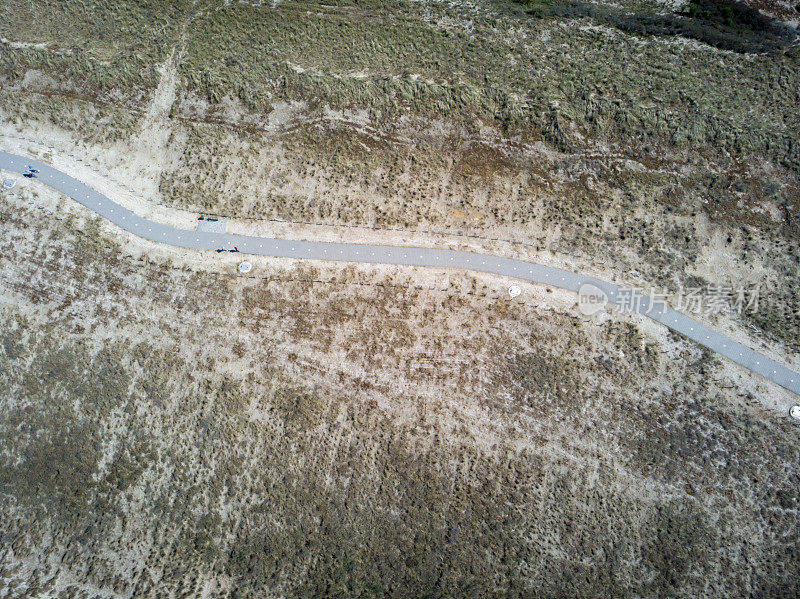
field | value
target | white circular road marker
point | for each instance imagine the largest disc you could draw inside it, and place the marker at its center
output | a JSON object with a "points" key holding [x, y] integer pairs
{"points": [[245, 267], [514, 291], [795, 412]]}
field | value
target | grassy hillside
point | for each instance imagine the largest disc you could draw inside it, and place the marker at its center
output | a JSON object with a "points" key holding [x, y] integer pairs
{"points": [[313, 432]]}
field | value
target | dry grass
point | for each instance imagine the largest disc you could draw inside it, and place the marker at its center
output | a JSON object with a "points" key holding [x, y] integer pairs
{"points": [[175, 431]]}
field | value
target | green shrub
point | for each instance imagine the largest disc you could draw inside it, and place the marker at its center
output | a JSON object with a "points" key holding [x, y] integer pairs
{"points": [[724, 24]]}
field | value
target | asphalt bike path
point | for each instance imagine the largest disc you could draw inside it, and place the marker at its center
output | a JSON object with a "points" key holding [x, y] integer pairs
{"points": [[405, 256]]}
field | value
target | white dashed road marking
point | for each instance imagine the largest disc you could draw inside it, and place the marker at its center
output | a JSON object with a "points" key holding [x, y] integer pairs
{"points": [[458, 259]]}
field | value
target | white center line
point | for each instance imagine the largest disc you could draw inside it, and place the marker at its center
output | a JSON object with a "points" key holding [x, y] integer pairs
{"points": [[500, 265]]}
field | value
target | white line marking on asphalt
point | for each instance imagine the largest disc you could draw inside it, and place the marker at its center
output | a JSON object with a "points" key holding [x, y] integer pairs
{"points": [[500, 265]]}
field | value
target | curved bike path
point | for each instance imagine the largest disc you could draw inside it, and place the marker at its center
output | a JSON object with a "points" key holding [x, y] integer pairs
{"points": [[407, 256]]}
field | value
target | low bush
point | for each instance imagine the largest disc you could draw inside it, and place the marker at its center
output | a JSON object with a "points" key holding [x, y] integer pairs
{"points": [[724, 24]]}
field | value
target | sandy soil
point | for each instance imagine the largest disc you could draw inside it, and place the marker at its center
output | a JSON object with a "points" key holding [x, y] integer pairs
{"points": [[207, 391]]}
